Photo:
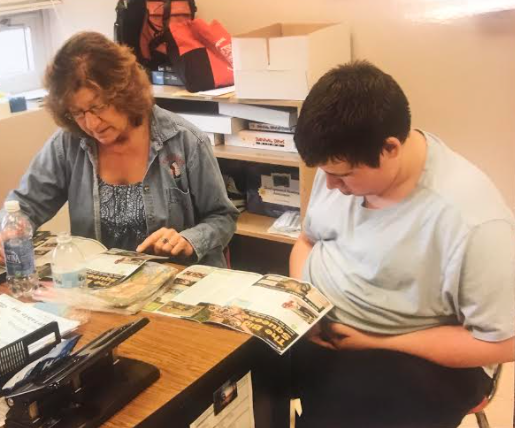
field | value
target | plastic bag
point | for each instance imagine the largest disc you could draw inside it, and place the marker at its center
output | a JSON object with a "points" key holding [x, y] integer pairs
{"points": [[128, 297]]}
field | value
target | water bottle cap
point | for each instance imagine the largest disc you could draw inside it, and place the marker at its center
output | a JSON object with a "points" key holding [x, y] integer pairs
{"points": [[12, 206], [64, 237]]}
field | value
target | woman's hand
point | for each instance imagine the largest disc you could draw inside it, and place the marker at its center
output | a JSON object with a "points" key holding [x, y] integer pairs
{"points": [[166, 242]]}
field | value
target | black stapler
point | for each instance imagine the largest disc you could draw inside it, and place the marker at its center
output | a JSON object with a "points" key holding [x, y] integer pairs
{"points": [[86, 389]]}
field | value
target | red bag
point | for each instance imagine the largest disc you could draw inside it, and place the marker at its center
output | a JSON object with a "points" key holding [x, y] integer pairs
{"points": [[200, 53]]}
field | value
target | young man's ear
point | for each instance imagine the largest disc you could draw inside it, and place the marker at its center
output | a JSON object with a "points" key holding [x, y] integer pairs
{"points": [[391, 147]]}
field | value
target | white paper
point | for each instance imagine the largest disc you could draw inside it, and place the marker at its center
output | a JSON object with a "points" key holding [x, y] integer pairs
{"points": [[17, 319], [217, 92], [238, 414]]}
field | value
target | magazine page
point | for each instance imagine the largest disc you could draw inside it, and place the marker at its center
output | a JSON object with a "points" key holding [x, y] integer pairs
{"points": [[113, 266], [275, 308], [181, 282]]}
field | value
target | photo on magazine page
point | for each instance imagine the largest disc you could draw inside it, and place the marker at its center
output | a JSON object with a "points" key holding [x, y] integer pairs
{"points": [[269, 329], [303, 290]]}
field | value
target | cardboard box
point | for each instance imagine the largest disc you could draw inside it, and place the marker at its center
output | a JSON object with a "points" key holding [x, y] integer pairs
{"points": [[214, 123], [262, 140], [283, 61], [280, 116]]}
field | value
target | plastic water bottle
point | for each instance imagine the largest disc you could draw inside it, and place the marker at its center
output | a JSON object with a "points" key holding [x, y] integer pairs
{"points": [[16, 232], [67, 263]]}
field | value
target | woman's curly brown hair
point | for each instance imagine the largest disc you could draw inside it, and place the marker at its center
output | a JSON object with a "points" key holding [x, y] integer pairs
{"points": [[90, 60]]}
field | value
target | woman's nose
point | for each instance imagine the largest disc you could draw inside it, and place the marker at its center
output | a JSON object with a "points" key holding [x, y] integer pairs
{"points": [[91, 120]]}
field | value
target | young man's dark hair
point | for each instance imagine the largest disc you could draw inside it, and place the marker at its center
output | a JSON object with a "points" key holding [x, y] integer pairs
{"points": [[349, 114]]}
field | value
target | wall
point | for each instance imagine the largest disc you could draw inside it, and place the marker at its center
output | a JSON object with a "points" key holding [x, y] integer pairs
{"points": [[80, 15], [458, 74], [21, 136]]}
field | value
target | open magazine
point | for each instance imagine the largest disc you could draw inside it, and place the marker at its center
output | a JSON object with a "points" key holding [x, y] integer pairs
{"points": [[104, 268], [274, 308]]}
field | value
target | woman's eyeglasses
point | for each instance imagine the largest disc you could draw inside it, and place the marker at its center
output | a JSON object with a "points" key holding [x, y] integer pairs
{"points": [[96, 110]]}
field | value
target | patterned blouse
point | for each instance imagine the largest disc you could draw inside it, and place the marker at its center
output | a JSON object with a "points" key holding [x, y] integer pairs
{"points": [[122, 215]]}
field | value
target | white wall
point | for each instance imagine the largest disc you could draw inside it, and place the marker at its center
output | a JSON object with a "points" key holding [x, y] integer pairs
{"points": [[82, 15], [21, 136]]}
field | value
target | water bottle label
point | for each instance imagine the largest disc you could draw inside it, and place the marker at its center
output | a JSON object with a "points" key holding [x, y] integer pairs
{"points": [[70, 279], [19, 259]]}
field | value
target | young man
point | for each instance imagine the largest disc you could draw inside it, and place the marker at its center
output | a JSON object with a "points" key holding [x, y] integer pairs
{"points": [[415, 248]]}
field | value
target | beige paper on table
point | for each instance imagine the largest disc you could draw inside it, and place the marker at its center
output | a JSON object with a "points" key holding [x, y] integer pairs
{"points": [[4, 408]]}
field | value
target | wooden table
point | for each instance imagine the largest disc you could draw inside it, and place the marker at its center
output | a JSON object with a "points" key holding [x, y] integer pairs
{"points": [[183, 351], [194, 360]]}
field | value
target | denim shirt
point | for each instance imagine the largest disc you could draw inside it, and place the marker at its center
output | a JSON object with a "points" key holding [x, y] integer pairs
{"points": [[182, 189]]}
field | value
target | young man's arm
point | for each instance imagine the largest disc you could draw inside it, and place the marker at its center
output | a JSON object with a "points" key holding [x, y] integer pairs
{"points": [[299, 255], [451, 346]]}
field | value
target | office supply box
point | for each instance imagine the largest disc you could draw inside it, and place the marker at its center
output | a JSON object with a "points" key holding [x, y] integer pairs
{"points": [[272, 189], [283, 61]]}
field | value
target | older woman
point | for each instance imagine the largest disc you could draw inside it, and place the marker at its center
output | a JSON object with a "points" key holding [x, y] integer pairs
{"points": [[136, 176]]}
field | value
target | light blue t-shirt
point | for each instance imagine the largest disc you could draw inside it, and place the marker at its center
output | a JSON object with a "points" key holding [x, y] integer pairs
{"points": [[444, 255]]}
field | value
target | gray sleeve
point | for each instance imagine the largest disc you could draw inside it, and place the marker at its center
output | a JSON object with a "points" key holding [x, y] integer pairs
{"points": [[43, 187], [487, 282], [216, 213]]}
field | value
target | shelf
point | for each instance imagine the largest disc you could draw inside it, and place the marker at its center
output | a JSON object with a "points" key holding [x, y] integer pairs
{"points": [[256, 226], [257, 155], [179, 93]]}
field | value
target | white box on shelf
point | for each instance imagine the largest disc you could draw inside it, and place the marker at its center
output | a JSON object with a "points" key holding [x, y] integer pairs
{"points": [[272, 115], [214, 123], [283, 61], [215, 139], [262, 140]]}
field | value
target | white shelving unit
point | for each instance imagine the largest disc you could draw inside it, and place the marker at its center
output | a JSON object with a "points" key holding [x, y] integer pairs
{"points": [[249, 224]]}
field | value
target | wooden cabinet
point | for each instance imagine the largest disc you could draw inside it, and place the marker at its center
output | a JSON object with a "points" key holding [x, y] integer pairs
{"points": [[253, 225]]}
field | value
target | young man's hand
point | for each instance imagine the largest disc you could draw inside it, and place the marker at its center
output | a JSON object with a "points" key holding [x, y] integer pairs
{"points": [[342, 336], [338, 336], [317, 335]]}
